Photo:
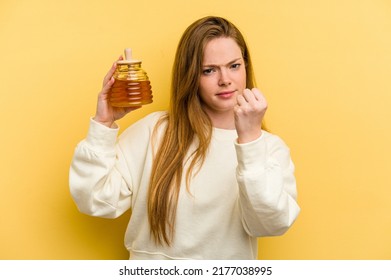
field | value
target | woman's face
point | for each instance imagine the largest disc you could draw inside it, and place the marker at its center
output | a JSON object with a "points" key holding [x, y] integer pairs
{"points": [[223, 75]]}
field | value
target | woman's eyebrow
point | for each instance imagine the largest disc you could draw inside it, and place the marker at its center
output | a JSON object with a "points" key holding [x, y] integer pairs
{"points": [[227, 64]]}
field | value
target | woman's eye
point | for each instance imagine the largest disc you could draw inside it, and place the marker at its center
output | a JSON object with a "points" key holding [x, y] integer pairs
{"points": [[235, 66], [207, 71]]}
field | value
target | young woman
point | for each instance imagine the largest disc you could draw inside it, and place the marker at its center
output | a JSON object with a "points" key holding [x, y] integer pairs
{"points": [[203, 180]]}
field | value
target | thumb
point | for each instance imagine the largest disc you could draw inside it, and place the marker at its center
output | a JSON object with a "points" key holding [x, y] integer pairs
{"points": [[106, 88]]}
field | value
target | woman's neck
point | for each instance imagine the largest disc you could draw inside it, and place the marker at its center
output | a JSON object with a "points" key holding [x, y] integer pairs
{"points": [[222, 120]]}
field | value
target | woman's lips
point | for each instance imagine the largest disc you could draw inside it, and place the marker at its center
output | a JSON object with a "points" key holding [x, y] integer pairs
{"points": [[226, 94]]}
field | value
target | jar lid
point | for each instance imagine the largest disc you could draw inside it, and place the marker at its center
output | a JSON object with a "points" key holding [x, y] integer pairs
{"points": [[128, 58]]}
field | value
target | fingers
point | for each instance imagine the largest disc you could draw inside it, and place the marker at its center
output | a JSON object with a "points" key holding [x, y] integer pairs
{"points": [[106, 87], [249, 95], [109, 74], [253, 97], [246, 97], [249, 112]]}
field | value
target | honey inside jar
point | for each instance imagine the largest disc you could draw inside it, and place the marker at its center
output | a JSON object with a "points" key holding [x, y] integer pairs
{"points": [[131, 84]]}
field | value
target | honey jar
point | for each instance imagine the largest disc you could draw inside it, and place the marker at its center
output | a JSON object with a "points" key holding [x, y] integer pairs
{"points": [[131, 84]]}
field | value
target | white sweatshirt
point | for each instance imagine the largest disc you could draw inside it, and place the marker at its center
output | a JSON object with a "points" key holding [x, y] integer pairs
{"points": [[242, 191]]}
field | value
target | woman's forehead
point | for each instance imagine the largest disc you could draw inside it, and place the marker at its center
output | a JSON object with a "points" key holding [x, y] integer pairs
{"points": [[220, 51]]}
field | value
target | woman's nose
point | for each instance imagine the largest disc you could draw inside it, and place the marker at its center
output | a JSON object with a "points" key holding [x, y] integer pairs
{"points": [[224, 79]]}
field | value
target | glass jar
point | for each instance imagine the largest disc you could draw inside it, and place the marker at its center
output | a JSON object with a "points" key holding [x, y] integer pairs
{"points": [[131, 86]]}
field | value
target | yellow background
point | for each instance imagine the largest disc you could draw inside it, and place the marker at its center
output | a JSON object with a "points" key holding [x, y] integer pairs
{"points": [[324, 67]]}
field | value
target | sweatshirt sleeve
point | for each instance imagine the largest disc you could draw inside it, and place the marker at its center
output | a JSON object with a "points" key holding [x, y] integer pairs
{"points": [[95, 179], [267, 186]]}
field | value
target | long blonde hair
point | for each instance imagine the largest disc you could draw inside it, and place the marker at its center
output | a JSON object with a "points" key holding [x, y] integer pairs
{"points": [[186, 122]]}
